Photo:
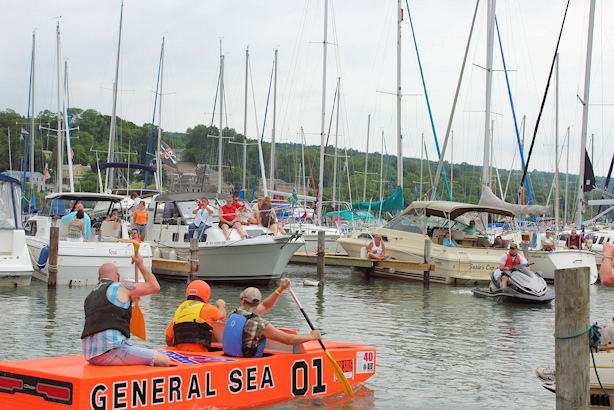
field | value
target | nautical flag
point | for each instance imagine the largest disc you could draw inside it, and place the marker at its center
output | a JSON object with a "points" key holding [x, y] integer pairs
{"points": [[294, 196], [72, 154], [415, 189], [24, 132], [345, 165], [167, 155], [47, 176]]}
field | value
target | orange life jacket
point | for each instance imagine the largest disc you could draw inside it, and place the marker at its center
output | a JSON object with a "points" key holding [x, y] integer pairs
{"points": [[512, 261]]}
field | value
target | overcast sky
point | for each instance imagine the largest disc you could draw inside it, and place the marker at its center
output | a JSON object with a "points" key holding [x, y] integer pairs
{"points": [[362, 51]]}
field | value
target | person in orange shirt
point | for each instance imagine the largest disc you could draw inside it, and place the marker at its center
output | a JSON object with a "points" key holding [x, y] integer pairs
{"points": [[139, 220], [190, 330]]}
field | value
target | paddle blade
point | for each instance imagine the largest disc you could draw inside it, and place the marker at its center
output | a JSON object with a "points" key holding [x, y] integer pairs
{"points": [[137, 323], [339, 373], [136, 245]]}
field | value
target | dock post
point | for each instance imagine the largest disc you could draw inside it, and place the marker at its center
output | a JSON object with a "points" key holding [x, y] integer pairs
{"points": [[321, 257], [54, 240], [572, 356], [193, 260], [427, 260]]}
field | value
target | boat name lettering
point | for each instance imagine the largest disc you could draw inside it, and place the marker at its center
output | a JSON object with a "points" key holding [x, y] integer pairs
{"points": [[144, 392], [237, 380], [485, 267], [112, 252], [300, 377]]}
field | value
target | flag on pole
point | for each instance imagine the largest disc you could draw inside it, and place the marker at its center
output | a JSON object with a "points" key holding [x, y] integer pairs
{"points": [[167, 155], [294, 197], [24, 132], [72, 153], [47, 176], [415, 189]]}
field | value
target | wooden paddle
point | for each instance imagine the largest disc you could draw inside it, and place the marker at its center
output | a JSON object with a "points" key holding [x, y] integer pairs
{"points": [[137, 321], [338, 372]]}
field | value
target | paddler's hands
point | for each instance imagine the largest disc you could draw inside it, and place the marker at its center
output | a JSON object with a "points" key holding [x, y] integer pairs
{"points": [[135, 299], [220, 303], [138, 259], [315, 335], [285, 284]]}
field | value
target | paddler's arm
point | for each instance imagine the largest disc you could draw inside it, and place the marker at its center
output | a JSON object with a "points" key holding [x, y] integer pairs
{"points": [[605, 273], [150, 286], [271, 332], [221, 307], [269, 302]]}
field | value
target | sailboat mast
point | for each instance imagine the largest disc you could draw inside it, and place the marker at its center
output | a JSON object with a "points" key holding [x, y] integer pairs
{"points": [[336, 139], [67, 130], [381, 170], [220, 146], [274, 126], [245, 122], [110, 156], [59, 150], [587, 84], [489, 57], [567, 176], [399, 136], [322, 128], [556, 150], [364, 188], [159, 159], [32, 118]]}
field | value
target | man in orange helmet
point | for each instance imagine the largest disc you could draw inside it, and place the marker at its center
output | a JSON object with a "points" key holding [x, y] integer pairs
{"points": [[190, 330]]}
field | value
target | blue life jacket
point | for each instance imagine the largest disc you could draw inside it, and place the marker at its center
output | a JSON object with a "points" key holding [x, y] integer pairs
{"points": [[232, 339]]}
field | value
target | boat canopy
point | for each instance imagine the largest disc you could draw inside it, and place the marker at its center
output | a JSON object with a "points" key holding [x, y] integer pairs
{"points": [[488, 198], [105, 165], [84, 196], [185, 196], [351, 215], [394, 202], [6, 178], [444, 209]]}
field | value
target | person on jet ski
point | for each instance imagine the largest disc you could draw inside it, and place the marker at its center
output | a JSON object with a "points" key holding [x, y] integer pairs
{"points": [[512, 258]]}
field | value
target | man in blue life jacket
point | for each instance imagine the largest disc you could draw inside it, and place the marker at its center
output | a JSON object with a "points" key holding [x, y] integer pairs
{"points": [[108, 310], [246, 332]]}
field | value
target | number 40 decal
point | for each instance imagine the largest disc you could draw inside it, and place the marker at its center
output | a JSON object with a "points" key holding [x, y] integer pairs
{"points": [[300, 378]]}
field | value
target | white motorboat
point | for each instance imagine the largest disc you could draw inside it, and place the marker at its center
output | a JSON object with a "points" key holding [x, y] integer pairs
{"points": [[78, 262], [261, 257], [548, 261], [15, 266], [404, 237]]}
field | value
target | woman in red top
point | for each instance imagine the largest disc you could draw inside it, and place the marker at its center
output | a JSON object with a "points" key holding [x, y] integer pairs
{"points": [[229, 219]]}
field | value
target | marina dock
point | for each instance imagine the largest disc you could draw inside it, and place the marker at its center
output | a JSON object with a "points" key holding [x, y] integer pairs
{"points": [[340, 260]]}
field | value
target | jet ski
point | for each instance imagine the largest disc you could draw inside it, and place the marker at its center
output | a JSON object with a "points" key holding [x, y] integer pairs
{"points": [[523, 286]]}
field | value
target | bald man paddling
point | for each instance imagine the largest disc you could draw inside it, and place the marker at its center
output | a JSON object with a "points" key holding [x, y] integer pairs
{"points": [[108, 309]]}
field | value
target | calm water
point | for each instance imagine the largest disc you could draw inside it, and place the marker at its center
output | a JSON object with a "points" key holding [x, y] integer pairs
{"points": [[437, 347]]}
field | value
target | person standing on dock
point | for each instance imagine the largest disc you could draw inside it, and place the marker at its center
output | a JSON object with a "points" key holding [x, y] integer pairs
{"points": [[376, 249], [190, 330], [108, 310], [246, 332], [512, 258]]}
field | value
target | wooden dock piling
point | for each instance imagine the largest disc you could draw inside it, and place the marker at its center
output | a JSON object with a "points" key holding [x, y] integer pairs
{"points": [[193, 260], [54, 240], [427, 261], [572, 356], [321, 257]]}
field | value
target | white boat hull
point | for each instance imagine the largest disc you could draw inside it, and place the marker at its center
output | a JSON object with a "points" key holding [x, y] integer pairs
{"points": [[78, 262], [255, 259], [548, 262], [15, 266]]}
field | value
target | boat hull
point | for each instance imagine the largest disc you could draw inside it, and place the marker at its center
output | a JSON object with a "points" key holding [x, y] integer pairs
{"points": [[78, 262], [197, 381], [504, 297], [453, 265], [260, 259], [15, 266], [548, 262]]}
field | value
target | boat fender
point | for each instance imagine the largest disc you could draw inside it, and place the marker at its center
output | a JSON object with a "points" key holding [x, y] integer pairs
{"points": [[157, 253], [42, 258], [534, 240], [172, 255], [232, 338]]}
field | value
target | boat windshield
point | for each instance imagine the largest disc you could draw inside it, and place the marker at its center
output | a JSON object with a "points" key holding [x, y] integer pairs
{"points": [[186, 210], [97, 210], [10, 206], [417, 222], [406, 223]]}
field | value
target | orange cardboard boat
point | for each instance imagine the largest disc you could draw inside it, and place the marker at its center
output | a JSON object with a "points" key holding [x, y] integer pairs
{"points": [[194, 381]]}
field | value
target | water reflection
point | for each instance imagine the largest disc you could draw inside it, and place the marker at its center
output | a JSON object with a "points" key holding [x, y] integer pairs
{"points": [[436, 347]]}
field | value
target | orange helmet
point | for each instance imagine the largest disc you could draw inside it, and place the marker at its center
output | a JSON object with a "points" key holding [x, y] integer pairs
{"points": [[200, 289]]}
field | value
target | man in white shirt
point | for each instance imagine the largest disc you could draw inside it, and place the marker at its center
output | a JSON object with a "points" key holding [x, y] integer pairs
{"points": [[202, 220]]}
